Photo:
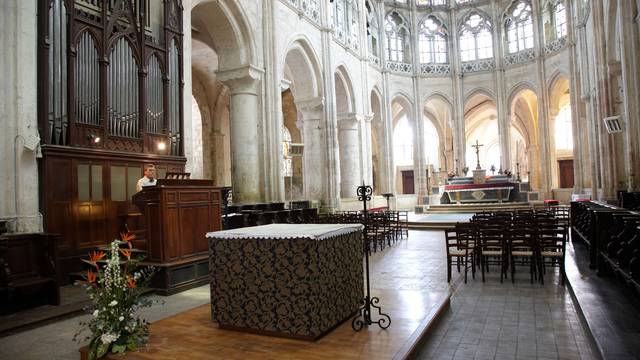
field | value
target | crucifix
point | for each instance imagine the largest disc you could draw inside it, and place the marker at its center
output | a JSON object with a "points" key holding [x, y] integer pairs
{"points": [[477, 146]]}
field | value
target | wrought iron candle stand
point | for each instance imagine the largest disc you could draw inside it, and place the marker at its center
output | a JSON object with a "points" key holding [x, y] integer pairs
{"points": [[364, 314], [226, 194]]}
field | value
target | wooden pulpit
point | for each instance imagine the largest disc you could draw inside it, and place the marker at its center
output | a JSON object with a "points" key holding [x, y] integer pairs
{"points": [[177, 214]]}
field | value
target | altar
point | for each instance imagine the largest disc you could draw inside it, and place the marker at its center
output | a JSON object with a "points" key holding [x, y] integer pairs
{"points": [[498, 191], [291, 280]]}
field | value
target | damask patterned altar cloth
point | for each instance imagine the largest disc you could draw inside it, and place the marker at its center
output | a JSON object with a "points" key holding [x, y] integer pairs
{"points": [[293, 280]]}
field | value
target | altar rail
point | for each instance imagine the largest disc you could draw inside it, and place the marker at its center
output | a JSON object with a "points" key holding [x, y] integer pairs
{"points": [[612, 235]]}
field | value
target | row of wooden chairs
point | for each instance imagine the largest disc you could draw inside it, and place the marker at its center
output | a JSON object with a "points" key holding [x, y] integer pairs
{"points": [[384, 228], [533, 238]]}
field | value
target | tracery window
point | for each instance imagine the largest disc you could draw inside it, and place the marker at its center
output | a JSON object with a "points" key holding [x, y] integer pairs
{"points": [[476, 40], [560, 19], [564, 129], [403, 142], [431, 2], [373, 30], [397, 32], [287, 162], [519, 27], [346, 22], [432, 39]]}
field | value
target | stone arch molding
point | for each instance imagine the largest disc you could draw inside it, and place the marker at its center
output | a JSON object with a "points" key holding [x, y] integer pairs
{"points": [[404, 101], [479, 91], [227, 31], [555, 76], [519, 87], [343, 75], [303, 65]]}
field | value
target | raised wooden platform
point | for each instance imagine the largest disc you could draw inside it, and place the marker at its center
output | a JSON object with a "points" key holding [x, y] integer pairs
{"points": [[193, 335]]}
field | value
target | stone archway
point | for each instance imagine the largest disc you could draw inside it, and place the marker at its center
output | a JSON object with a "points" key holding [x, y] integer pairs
{"points": [[481, 124], [221, 26], [301, 73], [349, 127]]}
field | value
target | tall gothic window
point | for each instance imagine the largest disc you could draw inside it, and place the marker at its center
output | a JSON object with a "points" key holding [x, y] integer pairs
{"points": [[397, 32], [432, 38], [346, 22], [560, 19], [564, 129], [373, 30], [354, 22], [287, 162], [403, 142], [475, 38], [339, 15], [519, 27], [431, 2]]}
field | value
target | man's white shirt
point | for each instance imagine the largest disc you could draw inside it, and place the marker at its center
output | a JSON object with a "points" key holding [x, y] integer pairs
{"points": [[144, 181]]}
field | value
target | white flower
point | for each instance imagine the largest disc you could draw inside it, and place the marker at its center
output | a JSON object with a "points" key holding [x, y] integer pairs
{"points": [[121, 318], [108, 338], [113, 303], [95, 313]]}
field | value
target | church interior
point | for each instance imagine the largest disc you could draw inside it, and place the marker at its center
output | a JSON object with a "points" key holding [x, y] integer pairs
{"points": [[349, 179]]}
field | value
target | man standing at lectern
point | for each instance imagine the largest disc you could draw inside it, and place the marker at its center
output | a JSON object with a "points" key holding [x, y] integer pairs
{"points": [[149, 178]]}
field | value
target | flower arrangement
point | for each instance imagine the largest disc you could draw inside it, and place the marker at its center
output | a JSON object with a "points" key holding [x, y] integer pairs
{"points": [[114, 285]]}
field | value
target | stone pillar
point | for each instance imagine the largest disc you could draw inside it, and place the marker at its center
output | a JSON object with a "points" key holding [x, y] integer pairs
{"points": [[19, 139], [314, 136], [349, 143], [367, 146], [458, 125], [245, 134], [630, 78]]}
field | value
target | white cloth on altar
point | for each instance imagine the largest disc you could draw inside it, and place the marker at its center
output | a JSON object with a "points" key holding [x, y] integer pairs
{"points": [[287, 231]]}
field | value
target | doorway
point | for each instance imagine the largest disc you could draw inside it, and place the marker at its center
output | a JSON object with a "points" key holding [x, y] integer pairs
{"points": [[565, 168], [407, 182]]}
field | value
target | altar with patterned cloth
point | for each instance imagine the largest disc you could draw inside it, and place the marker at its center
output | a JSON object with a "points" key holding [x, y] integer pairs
{"points": [[292, 280], [473, 193]]}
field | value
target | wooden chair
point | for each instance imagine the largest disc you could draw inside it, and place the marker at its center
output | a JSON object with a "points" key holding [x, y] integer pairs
{"points": [[460, 250], [492, 248], [522, 245], [552, 242]]}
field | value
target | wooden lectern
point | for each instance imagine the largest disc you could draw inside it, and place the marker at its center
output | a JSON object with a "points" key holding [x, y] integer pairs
{"points": [[177, 214]]}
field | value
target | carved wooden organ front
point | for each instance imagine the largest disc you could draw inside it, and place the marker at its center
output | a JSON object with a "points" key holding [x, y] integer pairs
{"points": [[110, 100]]}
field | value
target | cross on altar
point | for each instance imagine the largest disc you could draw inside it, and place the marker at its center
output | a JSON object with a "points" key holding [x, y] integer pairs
{"points": [[477, 146]]}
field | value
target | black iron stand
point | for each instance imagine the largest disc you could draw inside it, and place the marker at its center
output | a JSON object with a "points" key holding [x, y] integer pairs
{"points": [[226, 191], [364, 314]]}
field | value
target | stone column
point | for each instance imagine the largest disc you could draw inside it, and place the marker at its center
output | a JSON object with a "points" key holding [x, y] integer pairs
{"points": [[459, 139], [631, 118], [314, 136], [19, 139], [245, 133], [349, 142], [367, 151]]}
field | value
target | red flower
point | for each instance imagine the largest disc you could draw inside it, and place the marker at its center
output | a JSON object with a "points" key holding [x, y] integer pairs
{"points": [[95, 256], [131, 282], [126, 252], [127, 236], [91, 277]]}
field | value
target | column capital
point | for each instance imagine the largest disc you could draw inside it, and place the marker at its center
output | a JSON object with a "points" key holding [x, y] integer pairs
{"points": [[241, 80], [311, 108], [349, 121]]}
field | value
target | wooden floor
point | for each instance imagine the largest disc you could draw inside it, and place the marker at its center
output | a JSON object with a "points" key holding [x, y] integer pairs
{"points": [[192, 335], [409, 278]]}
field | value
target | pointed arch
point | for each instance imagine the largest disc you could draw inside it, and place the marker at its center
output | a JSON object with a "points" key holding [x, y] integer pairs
{"points": [[226, 24], [302, 62], [345, 103]]}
